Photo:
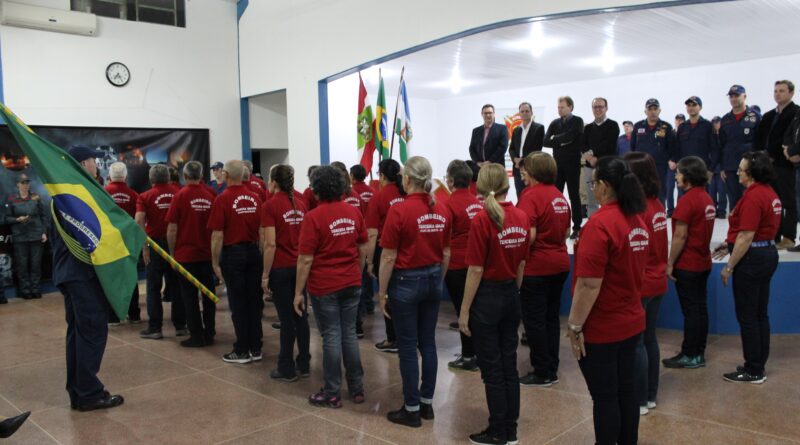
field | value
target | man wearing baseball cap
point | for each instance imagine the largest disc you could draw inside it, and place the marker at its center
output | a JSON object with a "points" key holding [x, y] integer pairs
{"points": [[654, 137], [218, 183], [86, 312], [696, 137], [736, 137]]}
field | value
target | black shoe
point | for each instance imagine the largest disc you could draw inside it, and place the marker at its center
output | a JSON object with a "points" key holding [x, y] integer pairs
{"points": [[573, 236], [523, 340], [386, 346], [193, 343], [276, 326], [534, 380], [511, 436], [36, 295], [721, 215], [744, 377], [488, 437], [12, 424], [277, 375], [359, 331], [256, 355], [672, 362], [403, 417], [454, 325], [108, 401], [208, 340], [794, 249], [153, 334], [426, 411], [25, 296], [181, 332], [302, 372], [464, 364]]}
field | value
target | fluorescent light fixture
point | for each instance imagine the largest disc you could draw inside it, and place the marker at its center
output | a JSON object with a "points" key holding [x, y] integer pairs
{"points": [[537, 43], [608, 59]]}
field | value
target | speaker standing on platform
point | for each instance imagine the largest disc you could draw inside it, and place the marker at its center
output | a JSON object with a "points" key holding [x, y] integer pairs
{"points": [[526, 139]]}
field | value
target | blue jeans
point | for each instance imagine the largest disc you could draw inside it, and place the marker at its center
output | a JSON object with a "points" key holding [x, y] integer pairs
{"points": [[336, 320], [241, 268], [414, 301], [648, 356]]}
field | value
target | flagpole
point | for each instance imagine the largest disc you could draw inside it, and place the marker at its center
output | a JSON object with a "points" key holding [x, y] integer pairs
{"points": [[396, 104], [180, 270]]}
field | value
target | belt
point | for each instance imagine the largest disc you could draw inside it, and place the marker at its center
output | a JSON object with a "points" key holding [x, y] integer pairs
{"points": [[762, 243]]}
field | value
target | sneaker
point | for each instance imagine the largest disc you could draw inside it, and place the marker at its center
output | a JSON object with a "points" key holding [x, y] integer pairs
{"points": [[114, 323], [464, 364], [785, 243], [532, 379], [651, 404], [487, 437], [303, 373], [153, 334], [321, 399], [193, 343], [358, 397], [523, 339], [256, 356], [426, 411], [359, 331], [643, 411], [670, 362], [404, 417], [235, 357], [277, 375], [386, 346], [511, 436], [554, 378], [182, 332], [454, 326], [276, 326], [744, 377], [686, 362]]}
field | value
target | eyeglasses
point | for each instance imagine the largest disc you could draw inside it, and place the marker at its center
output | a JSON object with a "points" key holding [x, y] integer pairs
{"points": [[25, 181]]}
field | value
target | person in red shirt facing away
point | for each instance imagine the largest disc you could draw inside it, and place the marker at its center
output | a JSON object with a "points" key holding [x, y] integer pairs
{"points": [[237, 261], [126, 198], [308, 194], [463, 206], [254, 186], [281, 217], [689, 261], [358, 176], [754, 223], [390, 194], [151, 214], [251, 178], [332, 253], [496, 252], [416, 250], [606, 318], [189, 242], [546, 267], [654, 280]]}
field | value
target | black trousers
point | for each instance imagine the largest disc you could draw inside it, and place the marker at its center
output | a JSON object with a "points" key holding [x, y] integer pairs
{"points": [[241, 268], [28, 264], [540, 302], [518, 184], [609, 369], [160, 274], [494, 320], [751, 279], [569, 172], [86, 310], [784, 185], [648, 354], [294, 328], [693, 297], [201, 327], [376, 267], [455, 280]]}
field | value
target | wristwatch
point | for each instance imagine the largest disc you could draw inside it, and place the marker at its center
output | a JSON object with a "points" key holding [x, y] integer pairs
{"points": [[728, 269]]}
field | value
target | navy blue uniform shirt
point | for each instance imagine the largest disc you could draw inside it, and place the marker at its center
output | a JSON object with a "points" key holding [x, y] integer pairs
{"points": [[699, 141], [658, 142], [737, 137]]}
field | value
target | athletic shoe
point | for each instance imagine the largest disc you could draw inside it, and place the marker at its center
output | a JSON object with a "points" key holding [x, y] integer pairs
{"points": [[741, 368], [403, 417], [276, 326], [321, 399], [426, 411], [686, 362], [182, 332], [488, 437], [303, 373], [358, 397], [277, 375], [532, 379], [454, 326], [114, 323], [464, 364], [744, 377], [671, 362], [643, 411], [386, 346], [193, 343], [359, 331], [153, 334], [554, 378], [511, 435], [234, 357], [651, 405], [255, 355]]}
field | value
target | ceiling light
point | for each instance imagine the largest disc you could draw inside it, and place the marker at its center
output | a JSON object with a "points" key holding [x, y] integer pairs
{"points": [[537, 43], [608, 59]]}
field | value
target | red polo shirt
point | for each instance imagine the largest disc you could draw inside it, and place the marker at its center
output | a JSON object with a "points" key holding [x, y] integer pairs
{"points": [[759, 210], [499, 252], [388, 196], [124, 196], [655, 269], [332, 233], [190, 210], [155, 205], [235, 212], [355, 200], [463, 206], [549, 213], [613, 247], [696, 209], [254, 187], [310, 199], [364, 191], [418, 231], [279, 213]]}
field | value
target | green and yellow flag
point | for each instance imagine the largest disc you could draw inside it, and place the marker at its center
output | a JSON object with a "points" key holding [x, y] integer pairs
{"points": [[93, 227], [381, 128]]}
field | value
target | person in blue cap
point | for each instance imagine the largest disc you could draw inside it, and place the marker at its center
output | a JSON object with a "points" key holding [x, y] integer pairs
{"points": [[737, 135], [696, 137], [218, 183], [655, 137], [86, 312]]}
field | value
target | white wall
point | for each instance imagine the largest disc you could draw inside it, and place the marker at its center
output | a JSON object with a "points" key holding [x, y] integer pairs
{"points": [[268, 121], [292, 45], [180, 77]]}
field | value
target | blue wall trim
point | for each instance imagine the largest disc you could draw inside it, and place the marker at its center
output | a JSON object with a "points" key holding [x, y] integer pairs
{"points": [[244, 103], [324, 139]]}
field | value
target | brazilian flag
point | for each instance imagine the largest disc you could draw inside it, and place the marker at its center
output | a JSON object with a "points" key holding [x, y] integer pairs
{"points": [[93, 227]]}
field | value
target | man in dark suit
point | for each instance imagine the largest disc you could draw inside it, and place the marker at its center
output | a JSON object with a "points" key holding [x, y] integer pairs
{"points": [[525, 139], [489, 141], [565, 137]]}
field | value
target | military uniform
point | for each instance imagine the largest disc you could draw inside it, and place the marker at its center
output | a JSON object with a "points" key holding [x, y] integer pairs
{"points": [[736, 137], [658, 142], [27, 239]]}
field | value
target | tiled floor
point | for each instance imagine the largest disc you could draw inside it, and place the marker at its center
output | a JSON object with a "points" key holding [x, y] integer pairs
{"points": [[176, 395]]}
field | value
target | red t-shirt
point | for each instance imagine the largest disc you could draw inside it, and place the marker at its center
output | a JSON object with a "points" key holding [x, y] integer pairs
{"points": [[759, 210], [332, 233], [418, 231], [190, 210], [613, 247], [355, 200], [278, 213], [379, 206], [155, 204], [548, 211], [696, 209], [310, 199], [254, 187], [655, 269], [499, 252], [235, 212], [738, 116], [124, 196], [364, 191], [463, 206]]}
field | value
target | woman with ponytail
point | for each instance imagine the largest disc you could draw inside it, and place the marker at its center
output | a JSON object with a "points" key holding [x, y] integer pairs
{"points": [[606, 317], [281, 217], [390, 194], [496, 252], [416, 251]]}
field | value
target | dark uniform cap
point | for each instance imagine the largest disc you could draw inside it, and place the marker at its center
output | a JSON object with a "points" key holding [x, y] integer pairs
{"points": [[716, 119], [680, 116], [736, 90], [652, 103], [81, 153], [694, 99], [217, 165]]}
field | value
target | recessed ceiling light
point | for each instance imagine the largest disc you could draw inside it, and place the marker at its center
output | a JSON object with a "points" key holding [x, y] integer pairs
{"points": [[537, 43]]}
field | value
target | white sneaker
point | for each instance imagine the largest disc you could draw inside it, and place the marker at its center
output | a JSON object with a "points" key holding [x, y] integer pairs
{"points": [[643, 410], [651, 405]]}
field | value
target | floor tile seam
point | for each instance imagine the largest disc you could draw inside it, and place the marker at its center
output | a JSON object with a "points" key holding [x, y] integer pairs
{"points": [[39, 362], [553, 439], [316, 414], [264, 428], [581, 395], [725, 425], [29, 419], [252, 391], [136, 346]]}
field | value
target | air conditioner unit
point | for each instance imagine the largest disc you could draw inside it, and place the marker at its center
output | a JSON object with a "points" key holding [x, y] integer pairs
{"points": [[48, 19]]}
